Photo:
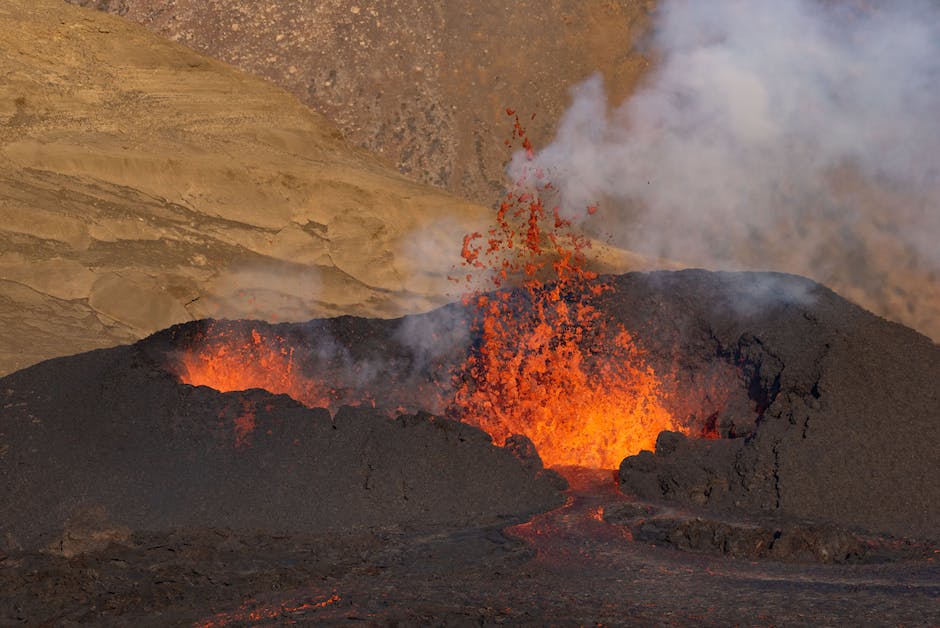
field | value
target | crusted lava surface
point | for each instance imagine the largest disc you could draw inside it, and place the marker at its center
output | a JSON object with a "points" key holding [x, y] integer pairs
{"points": [[131, 496], [847, 423], [108, 435]]}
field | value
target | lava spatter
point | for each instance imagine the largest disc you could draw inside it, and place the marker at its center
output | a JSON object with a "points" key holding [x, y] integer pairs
{"points": [[233, 359], [546, 363]]}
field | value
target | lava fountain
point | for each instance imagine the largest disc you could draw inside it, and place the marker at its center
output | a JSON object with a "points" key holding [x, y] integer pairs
{"points": [[547, 363], [543, 360]]}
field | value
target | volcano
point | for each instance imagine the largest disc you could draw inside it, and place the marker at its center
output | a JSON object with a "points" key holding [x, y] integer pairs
{"points": [[555, 447], [812, 414], [814, 407]]}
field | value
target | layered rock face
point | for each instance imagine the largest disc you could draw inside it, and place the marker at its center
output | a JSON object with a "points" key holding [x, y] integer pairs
{"points": [[426, 87], [142, 184]]}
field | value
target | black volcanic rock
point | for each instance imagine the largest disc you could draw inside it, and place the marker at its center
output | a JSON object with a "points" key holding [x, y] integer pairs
{"points": [[110, 433], [848, 425], [826, 414]]}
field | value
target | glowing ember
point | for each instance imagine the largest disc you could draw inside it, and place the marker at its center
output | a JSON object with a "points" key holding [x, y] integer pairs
{"points": [[547, 364], [244, 422], [253, 611]]}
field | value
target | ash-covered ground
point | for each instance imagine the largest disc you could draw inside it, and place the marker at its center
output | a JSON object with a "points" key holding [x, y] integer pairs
{"points": [[133, 498]]}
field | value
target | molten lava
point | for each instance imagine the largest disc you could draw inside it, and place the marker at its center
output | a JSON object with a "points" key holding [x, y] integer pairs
{"points": [[547, 364], [230, 360]]}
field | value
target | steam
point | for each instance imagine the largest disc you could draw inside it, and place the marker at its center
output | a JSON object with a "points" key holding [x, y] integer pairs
{"points": [[434, 339], [275, 291], [801, 136]]}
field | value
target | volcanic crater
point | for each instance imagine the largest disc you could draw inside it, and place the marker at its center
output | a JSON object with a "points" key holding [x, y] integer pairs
{"points": [[799, 411], [783, 406], [777, 388]]}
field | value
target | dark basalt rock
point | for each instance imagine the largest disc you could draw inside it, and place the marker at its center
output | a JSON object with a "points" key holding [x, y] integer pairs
{"points": [[825, 413], [847, 424], [788, 542], [111, 434], [778, 539]]}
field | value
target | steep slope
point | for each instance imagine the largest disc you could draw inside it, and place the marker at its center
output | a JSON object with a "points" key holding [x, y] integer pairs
{"points": [[426, 84], [142, 184]]}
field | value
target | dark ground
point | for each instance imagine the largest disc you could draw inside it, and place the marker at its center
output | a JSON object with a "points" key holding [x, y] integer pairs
{"points": [[127, 501], [848, 424], [566, 567]]}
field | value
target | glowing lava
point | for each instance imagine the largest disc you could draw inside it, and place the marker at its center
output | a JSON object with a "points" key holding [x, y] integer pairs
{"points": [[548, 365], [229, 360], [545, 362]]}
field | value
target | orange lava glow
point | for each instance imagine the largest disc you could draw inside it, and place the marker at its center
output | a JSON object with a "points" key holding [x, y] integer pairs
{"points": [[254, 612], [549, 366], [229, 360], [546, 363], [244, 423]]}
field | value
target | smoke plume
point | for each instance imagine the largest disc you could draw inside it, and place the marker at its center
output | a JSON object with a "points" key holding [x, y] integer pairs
{"points": [[801, 136]]}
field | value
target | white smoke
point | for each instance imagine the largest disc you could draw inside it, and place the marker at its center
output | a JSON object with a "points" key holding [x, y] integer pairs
{"points": [[794, 135]]}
